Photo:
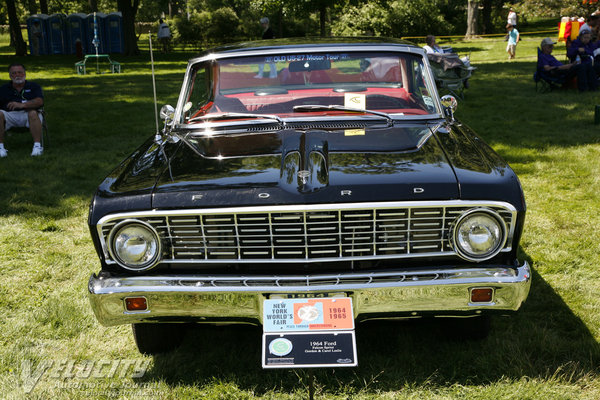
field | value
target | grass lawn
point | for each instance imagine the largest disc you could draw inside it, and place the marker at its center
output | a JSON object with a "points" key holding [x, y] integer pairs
{"points": [[548, 350]]}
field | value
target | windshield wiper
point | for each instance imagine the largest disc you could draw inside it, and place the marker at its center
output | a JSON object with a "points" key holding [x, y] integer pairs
{"points": [[233, 115], [318, 107]]}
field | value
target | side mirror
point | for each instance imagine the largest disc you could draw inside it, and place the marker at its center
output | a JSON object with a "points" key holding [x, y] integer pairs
{"points": [[449, 103], [166, 113]]}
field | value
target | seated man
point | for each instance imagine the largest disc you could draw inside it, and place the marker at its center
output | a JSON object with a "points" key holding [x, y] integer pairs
{"points": [[586, 77], [19, 103], [432, 46]]}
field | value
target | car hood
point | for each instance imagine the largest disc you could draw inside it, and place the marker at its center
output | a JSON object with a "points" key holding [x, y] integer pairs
{"points": [[293, 166]]}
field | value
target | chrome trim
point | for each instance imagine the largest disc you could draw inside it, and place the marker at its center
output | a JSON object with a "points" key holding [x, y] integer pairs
{"points": [[245, 127], [444, 291], [454, 230], [429, 241], [146, 266]]}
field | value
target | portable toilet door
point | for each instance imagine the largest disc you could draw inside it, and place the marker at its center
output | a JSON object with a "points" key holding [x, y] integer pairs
{"points": [[56, 34], [98, 30], [114, 32], [76, 29], [37, 33]]}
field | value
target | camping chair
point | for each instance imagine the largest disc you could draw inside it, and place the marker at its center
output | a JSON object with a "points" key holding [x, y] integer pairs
{"points": [[45, 135], [545, 82], [450, 73]]}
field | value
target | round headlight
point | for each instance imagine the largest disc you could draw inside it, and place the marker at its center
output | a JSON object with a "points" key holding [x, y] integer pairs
{"points": [[479, 234], [134, 245]]}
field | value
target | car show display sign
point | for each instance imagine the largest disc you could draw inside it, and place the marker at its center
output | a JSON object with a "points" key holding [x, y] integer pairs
{"points": [[309, 349], [308, 332]]}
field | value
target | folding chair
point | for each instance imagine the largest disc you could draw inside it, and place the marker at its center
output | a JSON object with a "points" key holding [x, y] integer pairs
{"points": [[545, 82], [45, 135]]}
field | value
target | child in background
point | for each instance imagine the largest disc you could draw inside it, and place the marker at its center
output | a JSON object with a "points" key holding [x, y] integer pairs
{"points": [[513, 39]]}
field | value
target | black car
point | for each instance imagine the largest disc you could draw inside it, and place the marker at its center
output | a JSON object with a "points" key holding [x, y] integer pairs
{"points": [[312, 167]]}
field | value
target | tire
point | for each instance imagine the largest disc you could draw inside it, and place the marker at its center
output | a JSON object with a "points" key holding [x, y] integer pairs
{"points": [[154, 339]]}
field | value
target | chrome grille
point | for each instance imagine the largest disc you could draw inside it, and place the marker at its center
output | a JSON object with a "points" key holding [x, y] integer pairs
{"points": [[308, 233]]}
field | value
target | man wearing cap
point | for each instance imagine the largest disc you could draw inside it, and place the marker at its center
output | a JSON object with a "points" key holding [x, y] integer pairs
{"points": [[586, 76]]}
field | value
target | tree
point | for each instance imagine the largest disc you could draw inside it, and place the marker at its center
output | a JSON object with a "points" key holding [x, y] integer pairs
{"points": [[15, 29], [129, 9], [32, 7], [472, 13]]}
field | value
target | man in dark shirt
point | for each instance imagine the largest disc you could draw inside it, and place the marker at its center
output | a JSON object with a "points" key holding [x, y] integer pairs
{"points": [[586, 76], [19, 103], [267, 31]]}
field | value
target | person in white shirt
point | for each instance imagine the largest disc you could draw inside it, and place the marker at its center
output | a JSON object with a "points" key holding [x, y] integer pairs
{"points": [[512, 17], [432, 46], [164, 35]]}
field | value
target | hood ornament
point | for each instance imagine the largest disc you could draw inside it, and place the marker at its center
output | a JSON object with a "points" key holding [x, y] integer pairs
{"points": [[303, 175]]}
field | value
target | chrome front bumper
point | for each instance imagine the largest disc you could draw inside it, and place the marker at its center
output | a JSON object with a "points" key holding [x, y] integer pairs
{"points": [[228, 298]]}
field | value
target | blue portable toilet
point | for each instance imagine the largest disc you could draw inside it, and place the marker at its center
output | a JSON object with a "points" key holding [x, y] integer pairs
{"points": [[37, 33], [56, 34], [99, 30], [76, 29], [114, 32]]}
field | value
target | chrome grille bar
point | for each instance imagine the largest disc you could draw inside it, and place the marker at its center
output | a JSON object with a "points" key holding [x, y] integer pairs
{"points": [[308, 233]]}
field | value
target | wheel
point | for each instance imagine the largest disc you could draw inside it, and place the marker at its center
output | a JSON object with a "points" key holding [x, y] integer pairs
{"points": [[473, 328], [158, 338]]}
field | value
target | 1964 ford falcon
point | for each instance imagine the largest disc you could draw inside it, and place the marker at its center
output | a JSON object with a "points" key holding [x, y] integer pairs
{"points": [[307, 168]]}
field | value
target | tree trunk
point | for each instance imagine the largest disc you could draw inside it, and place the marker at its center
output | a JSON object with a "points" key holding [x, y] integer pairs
{"points": [[323, 18], [32, 6], [15, 29], [472, 11], [486, 16], [280, 18], [44, 6], [129, 10], [93, 4]]}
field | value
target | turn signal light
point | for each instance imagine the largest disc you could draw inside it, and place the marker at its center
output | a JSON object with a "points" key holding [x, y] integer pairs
{"points": [[482, 295], [136, 304]]}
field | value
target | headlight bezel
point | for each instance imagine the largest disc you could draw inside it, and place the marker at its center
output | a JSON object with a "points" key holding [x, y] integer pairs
{"points": [[115, 231], [461, 252]]}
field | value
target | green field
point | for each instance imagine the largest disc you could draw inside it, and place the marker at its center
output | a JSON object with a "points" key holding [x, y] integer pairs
{"points": [[548, 350]]}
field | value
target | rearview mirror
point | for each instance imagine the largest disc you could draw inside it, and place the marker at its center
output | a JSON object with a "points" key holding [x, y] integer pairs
{"points": [[450, 104], [167, 112]]}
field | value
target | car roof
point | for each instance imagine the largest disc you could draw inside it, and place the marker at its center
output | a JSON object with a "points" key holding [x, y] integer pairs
{"points": [[303, 43]]}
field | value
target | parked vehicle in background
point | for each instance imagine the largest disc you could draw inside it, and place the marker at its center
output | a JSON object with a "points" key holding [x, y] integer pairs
{"points": [[341, 174]]}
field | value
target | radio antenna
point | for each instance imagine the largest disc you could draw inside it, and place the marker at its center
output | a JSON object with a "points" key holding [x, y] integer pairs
{"points": [[157, 136]]}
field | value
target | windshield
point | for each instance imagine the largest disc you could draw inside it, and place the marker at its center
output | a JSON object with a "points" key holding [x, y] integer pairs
{"points": [[393, 83]]}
